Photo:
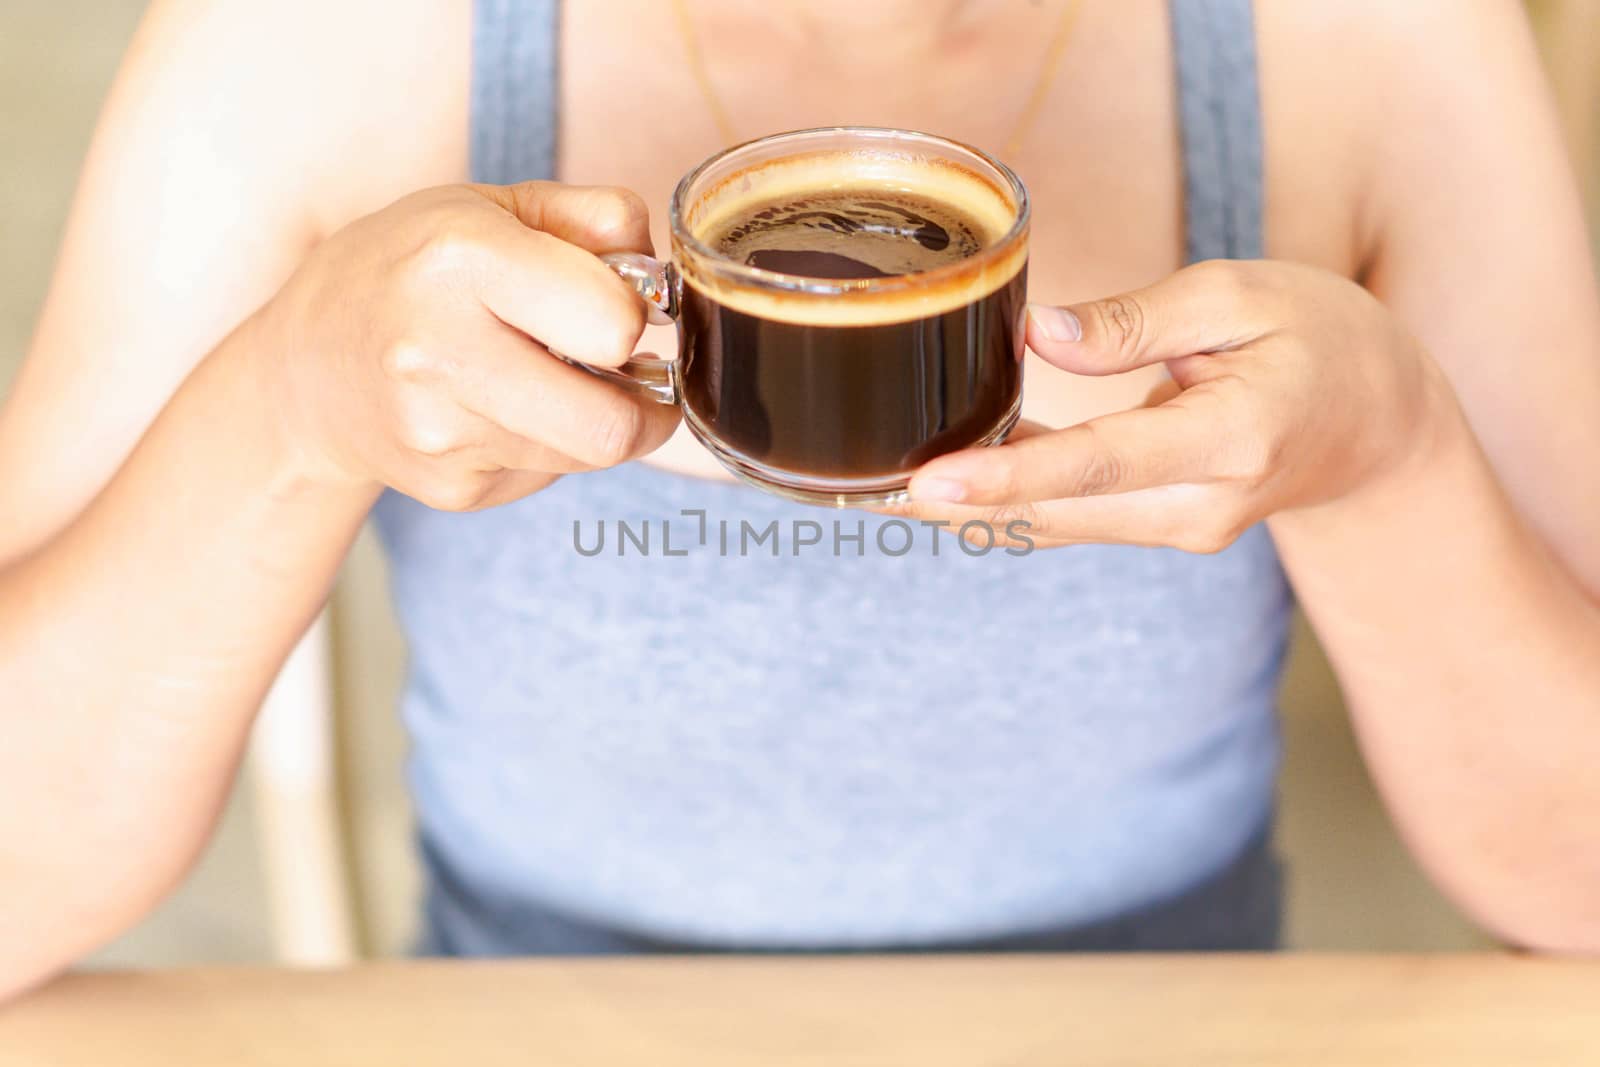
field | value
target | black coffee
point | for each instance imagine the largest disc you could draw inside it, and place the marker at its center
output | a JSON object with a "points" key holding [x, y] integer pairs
{"points": [[850, 234], [782, 386]]}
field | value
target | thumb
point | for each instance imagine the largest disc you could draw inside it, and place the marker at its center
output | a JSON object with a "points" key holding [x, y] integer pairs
{"points": [[597, 218], [1197, 310]]}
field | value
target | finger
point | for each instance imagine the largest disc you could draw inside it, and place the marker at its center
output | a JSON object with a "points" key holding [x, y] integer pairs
{"points": [[511, 452], [437, 427], [1205, 308], [1164, 390], [517, 385], [453, 489], [1026, 428], [1120, 453], [1193, 518], [597, 218], [514, 485], [561, 296], [544, 277]]}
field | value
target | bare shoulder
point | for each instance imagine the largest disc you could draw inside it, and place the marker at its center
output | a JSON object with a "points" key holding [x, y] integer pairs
{"points": [[401, 72], [1376, 41], [1346, 82], [364, 99], [236, 134], [1467, 222]]}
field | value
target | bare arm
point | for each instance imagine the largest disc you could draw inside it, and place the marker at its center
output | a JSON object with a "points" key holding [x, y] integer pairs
{"points": [[142, 615], [135, 646], [184, 488], [1428, 468], [1459, 605]]}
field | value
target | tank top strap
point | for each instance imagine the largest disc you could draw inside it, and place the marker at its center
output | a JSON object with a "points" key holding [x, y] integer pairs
{"points": [[516, 85], [1219, 106], [515, 89]]}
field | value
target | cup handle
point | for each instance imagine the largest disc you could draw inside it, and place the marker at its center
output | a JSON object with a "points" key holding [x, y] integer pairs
{"points": [[656, 282]]}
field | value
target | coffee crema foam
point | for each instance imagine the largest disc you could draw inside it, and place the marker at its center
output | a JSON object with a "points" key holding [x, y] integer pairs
{"points": [[882, 189], [851, 233]]}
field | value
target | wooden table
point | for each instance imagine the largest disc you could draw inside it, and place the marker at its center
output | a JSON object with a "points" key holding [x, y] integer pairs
{"points": [[916, 1012]]}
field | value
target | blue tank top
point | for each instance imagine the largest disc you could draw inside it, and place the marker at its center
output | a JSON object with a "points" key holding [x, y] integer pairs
{"points": [[818, 739]]}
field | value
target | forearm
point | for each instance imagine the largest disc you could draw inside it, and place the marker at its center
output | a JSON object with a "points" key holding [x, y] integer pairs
{"points": [[1471, 663], [135, 647]]}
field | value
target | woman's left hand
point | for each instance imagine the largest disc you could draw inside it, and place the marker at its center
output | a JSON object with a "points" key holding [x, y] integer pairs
{"points": [[1291, 387]]}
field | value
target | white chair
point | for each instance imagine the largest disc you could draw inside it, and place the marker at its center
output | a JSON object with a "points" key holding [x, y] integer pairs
{"points": [[294, 778]]}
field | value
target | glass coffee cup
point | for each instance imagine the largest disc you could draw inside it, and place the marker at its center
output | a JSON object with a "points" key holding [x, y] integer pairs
{"points": [[850, 304]]}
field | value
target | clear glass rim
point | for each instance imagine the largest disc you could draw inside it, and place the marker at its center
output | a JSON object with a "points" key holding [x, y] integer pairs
{"points": [[760, 278]]}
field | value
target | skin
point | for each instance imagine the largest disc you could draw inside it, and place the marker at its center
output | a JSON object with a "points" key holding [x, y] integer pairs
{"points": [[263, 324]]}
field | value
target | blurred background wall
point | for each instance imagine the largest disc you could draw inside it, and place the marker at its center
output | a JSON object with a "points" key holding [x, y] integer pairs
{"points": [[1353, 886]]}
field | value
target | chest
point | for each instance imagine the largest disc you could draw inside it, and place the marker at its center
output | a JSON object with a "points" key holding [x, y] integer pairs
{"points": [[1100, 157]]}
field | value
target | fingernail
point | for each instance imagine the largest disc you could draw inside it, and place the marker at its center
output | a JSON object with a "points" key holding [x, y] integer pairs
{"points": [[1058, 324], [938, 489]]}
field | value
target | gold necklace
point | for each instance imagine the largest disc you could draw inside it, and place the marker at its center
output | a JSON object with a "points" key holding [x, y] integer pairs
{"points": [[1030, 111]]}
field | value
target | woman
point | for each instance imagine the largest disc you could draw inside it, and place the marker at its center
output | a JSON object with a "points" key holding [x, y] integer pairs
{"points": [[1073, 748]]}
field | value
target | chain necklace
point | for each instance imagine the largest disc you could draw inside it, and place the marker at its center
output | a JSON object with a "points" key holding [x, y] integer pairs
{"points": [[1030, 111]]}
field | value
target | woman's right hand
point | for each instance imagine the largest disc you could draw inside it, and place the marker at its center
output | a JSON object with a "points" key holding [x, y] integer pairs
{"points": [[410, 348]]}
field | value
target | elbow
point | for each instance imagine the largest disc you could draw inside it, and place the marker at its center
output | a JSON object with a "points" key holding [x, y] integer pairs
{"points": [[53, 917], [21, 976], [1576, 938], [38, 943], [1546, 923], [1534, 890]]}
